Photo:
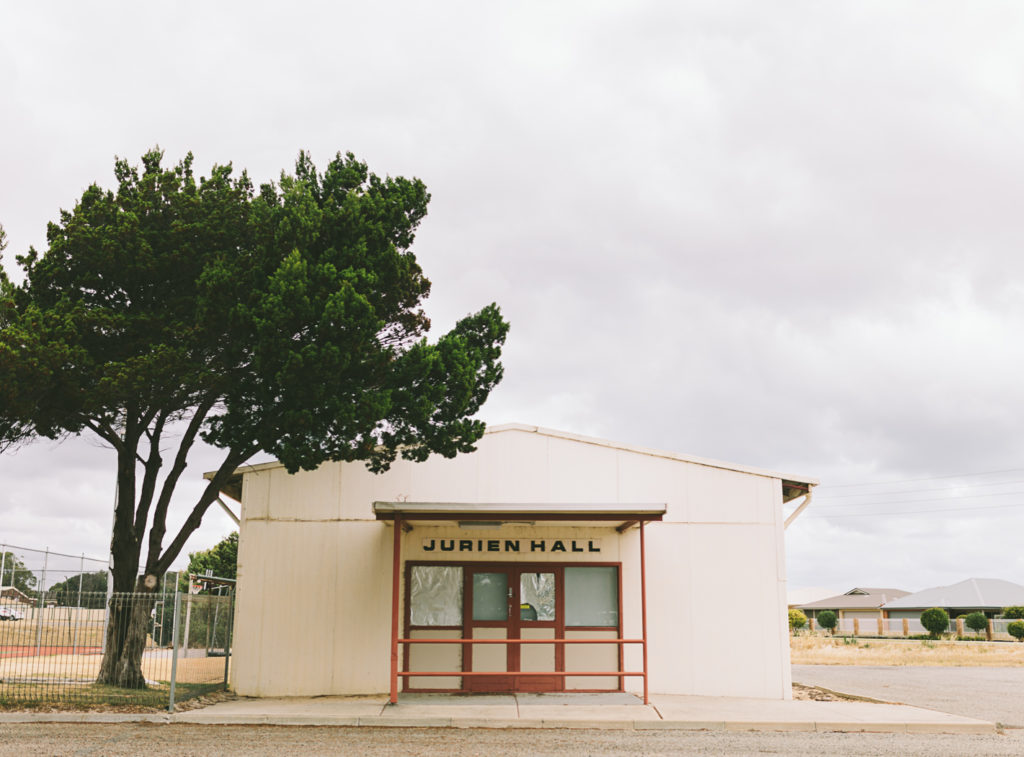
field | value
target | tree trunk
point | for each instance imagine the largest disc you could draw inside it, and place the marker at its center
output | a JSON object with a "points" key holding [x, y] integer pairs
{"points": [[127, 629]]}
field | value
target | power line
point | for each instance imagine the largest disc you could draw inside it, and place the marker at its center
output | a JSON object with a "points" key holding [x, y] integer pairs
{"points": [[927, 478], [826, 495], [915, 512], [922, 499]]}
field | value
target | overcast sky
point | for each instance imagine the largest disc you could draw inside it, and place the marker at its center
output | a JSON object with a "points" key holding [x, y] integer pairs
{"points": [[779, 234]]}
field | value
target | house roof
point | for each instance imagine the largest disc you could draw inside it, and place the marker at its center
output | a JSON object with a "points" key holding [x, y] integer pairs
{"points": [[990, 593], [857, 597], [792, 486]]}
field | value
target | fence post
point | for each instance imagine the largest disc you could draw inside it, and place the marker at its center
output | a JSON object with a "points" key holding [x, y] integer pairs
{"points": [[881, 627], [3, 564], [810, 624], [988, 630], [42, 602], [228, 638], [906, 627], [856, 626], [174, 647]]}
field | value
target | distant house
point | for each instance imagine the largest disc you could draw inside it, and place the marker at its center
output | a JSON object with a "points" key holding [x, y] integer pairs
{"points": [[858, 603], [987, 595], [14, 594]]}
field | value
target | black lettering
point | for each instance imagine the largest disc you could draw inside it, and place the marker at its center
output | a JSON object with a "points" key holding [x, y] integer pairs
{"points": [[593, 548], [493, 545], [431, 547], [537, 546], [511, 545], [465, 545], [558, 546], [480, 545], [447, 545], [575, 548]]}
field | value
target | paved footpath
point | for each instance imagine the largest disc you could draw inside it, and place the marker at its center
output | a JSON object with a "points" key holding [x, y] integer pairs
{"points": [[995, 694], [572, 711]]}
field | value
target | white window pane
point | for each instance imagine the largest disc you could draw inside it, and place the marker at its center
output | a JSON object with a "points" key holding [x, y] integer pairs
{"points": [[537, 596], [435, 595], [592, 596]]}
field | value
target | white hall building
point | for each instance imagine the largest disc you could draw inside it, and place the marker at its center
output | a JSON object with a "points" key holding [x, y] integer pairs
{"points": [[543, 561]]}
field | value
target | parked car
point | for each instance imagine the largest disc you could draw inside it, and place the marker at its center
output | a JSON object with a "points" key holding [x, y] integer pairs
{"points": [[9, 613]]}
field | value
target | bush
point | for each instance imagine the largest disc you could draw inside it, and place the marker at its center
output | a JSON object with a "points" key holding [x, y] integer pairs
{"points": [[828, 620], [1015, 612], [976, 621], [1016, 630], [797, 620], [935, 621]]}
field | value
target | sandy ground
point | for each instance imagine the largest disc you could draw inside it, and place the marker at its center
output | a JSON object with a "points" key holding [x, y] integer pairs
{"points": [[202, 741], [87, 667], [824, 650]]}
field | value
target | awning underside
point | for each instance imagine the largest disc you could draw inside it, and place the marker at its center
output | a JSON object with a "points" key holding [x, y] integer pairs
{"points": [[608, 515]]}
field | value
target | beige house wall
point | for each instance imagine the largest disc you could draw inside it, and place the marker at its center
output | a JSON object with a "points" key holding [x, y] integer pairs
{"points": [[313, 607]]}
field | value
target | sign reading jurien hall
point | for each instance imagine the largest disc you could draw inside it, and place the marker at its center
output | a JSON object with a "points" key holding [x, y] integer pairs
{"points": [[512, 545]]}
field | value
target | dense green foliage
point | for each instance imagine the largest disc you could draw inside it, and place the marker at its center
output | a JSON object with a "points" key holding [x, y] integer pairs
{"points": [[797, 620], [15, 573], [935, 621], [93, 590], [1016, 629], [976, 621], [287, 320], [828, 620], [221, 559], [1014, 612]]}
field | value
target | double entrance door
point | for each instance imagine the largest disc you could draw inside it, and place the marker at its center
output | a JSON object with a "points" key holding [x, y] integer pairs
{"points": [[513, 602]]}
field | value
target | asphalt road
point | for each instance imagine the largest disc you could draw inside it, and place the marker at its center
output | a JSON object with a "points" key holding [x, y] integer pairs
{"points": [[86, 739], [994, 694]]}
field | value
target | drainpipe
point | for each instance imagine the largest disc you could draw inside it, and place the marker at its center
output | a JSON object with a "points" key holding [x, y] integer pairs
{"points": [[800, 509]]}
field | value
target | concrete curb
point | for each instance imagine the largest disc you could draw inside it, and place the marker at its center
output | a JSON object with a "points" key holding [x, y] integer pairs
{"points": [[965, 726]]}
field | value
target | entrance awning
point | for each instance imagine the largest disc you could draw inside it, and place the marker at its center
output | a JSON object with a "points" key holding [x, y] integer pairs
{"points": [[496, 513], [618, 515]]}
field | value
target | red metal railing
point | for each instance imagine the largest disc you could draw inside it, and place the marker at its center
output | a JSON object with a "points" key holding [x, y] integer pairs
{"points": [[395, 641], [517, 674]]}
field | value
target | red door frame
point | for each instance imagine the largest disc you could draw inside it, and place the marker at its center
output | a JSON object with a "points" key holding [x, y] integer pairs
{"points": [[514, 626], [397, 522]]}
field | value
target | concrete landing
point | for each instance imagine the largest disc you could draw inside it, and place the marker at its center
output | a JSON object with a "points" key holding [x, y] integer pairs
{"points": [[616, 710]]}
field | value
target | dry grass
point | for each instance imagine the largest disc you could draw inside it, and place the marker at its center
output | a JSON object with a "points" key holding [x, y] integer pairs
{"points": [[824, 650]]}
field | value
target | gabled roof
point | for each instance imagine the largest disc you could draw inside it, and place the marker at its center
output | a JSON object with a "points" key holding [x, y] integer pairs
{"points": [[989, 593], [792, 486], [856, 598]]}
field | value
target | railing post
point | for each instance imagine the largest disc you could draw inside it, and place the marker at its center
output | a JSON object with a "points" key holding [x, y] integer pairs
{"points": [[396, 567], [174, 648], [643, 607]]}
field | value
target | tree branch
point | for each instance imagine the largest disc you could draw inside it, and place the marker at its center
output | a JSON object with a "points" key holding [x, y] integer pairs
{"points": [[104, 432], [152, 465], [208, 497], [159, 527]]}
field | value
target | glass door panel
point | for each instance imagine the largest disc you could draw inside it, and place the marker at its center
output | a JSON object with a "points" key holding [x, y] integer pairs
{"points": [[490, 596]]}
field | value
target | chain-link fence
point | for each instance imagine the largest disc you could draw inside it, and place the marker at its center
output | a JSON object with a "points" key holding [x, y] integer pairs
{"points": [[54, 633]]}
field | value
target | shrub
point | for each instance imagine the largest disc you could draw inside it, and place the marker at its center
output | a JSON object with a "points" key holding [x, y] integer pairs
{"points": [[976, 621], [1016, 630], [935, 621], [797, 620], [827, 620], [1015, 612]]}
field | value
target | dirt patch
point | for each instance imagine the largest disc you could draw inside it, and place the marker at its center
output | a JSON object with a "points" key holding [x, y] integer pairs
{"points": [[836, 650], [813, 693]]}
